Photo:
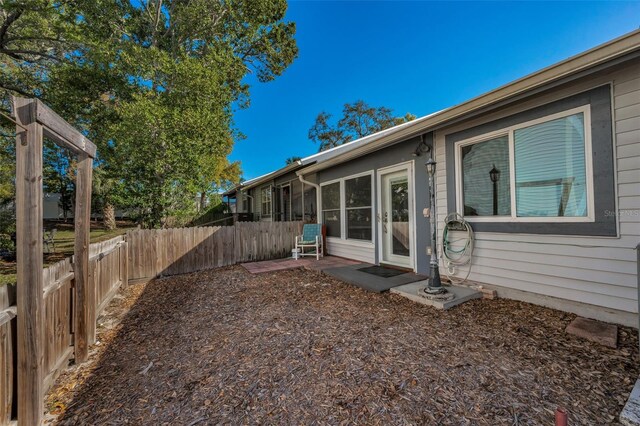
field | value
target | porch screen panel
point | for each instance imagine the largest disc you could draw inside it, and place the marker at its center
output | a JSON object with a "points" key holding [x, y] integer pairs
{"points": [[265, 198], [358, 207], [296, 200], [331, 209], [550, 168], [310, 207]]}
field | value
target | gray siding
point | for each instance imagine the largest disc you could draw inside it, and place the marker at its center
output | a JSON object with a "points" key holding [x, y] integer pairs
{"points": [[596, 271], [398, 153]]}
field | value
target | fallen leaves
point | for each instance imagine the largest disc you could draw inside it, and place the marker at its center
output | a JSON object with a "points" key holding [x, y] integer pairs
{"points": [[225, 346]]}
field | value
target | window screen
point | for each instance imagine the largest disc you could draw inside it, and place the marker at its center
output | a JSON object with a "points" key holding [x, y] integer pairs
{"points": [[550, 169], [485, 178], [331, 209], [358, 207]]}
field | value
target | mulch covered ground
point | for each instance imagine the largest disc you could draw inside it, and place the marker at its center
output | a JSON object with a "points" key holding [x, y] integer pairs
{"points": [[298, 347]]}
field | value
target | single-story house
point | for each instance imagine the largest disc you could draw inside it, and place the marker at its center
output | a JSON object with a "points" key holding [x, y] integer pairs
{"points": [[546, 169]]}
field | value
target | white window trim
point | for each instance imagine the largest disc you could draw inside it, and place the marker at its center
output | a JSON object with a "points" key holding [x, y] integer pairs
{"points": [[409, 166], [509, 132], [343, 209], [280, 187], [244, 202]]}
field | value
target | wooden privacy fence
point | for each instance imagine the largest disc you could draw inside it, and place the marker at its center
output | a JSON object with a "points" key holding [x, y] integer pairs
{"points": [[35, 121], [162, 252], [107, 272], [142, 255]]}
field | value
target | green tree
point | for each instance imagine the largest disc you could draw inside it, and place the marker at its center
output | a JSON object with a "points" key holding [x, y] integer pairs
{"points": [[59, 52], [7, 168], [176, 133], [193, 60], [358, 120], [34, 35], [154, 84], [292, 160]]}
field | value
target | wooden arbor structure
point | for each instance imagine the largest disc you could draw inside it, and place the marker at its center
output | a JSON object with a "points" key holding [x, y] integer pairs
{"points": [[34, 121]]}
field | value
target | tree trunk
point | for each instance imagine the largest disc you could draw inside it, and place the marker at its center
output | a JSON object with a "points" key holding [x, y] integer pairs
{"points": [[109, 216], [203, 201]]}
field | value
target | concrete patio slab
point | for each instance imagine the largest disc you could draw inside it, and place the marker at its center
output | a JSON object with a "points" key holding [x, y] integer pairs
{"points": [[596, 331], [414, 290], [329, 262], [630, 415], [351, 274]]}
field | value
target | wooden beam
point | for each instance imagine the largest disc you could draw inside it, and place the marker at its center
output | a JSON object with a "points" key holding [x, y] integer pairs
{"points": [[29, 264], [8, 314], [64, 143], [57, 284], [124, 264], [61, 132], [85, 303]]}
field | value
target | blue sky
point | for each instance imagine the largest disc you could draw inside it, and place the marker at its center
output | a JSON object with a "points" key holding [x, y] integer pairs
{"points": [[413, 56]]}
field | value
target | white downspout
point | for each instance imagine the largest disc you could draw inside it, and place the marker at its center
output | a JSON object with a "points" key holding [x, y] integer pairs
{"points": [[317, 187]]}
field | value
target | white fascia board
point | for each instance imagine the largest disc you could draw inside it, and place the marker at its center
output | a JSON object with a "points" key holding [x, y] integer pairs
{"points": [[271, 175]]}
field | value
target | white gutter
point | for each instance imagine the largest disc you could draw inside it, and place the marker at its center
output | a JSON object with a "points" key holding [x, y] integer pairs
{"points": [[317, 187], [272, 175]]}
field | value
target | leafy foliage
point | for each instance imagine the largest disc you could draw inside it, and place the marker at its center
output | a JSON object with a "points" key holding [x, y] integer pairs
{"points": [[358, 120], [153, 83]]}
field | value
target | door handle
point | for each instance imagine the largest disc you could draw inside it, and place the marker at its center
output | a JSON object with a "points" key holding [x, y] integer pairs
{"points": [[384, 222]]}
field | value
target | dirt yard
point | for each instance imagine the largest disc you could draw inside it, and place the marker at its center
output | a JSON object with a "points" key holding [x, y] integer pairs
{"points": [[297, 347]]}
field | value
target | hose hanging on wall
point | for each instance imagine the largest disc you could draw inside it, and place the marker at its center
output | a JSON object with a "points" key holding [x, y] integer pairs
{"points": [[457, 252]]}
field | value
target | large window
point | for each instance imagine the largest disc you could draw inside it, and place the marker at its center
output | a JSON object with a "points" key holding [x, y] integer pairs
{"points": [[357, 195], [331, 209], [537, 170], [347, 208], [266, 201], [550, 165], [485, 178]]}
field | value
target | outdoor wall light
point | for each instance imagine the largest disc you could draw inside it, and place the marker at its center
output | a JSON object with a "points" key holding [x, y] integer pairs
{"points": [[430, 165], [422, 147]]}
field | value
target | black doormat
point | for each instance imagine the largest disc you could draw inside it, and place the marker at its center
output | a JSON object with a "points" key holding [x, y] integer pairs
{"points": [[381, 271]]}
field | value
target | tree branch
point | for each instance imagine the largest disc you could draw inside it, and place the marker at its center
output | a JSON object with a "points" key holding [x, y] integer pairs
{"points": [[15, 54], [10, 39], [11, 18], [17, 90]]}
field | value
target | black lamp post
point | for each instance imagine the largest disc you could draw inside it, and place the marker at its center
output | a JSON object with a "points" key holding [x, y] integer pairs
{"points": [[494, 175], [434, 285]]}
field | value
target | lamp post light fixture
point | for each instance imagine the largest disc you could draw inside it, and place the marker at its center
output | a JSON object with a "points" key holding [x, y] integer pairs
{"points": [[434, 286], [494, 175]]}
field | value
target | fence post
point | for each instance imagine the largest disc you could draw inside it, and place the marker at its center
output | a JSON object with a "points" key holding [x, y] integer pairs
{"points": [[30, 309], [124, 258], [84, 301]]}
